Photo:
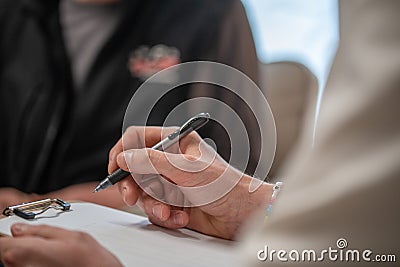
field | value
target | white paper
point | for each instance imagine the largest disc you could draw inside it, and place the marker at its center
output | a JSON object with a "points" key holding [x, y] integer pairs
{"points": [[134, 240]]}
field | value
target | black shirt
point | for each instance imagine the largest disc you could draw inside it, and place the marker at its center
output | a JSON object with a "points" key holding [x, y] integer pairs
{"points": [[53, 136]]}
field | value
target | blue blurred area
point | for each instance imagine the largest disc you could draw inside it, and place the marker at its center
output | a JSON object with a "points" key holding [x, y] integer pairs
{"points": [[305, 31]]}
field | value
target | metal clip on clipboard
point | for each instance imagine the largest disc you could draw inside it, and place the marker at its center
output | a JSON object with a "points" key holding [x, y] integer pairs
{"points": [[31, 209]]}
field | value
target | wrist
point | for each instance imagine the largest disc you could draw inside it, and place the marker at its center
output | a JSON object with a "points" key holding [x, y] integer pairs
{"points": [[261, 195], [259, 192]]}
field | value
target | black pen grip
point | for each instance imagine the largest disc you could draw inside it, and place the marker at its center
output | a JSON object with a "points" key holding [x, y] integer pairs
{"points": [[117, 176]]}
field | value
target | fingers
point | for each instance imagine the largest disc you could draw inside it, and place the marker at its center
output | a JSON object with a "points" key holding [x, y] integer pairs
{"points": [[178, 168], [190, 143], [163, 215], [137, 137], [48, 246], [129, 190], [19, 252], [177, 219], [43, 231], [156, 209], [158, 213], [148, 161], [112, 156]]}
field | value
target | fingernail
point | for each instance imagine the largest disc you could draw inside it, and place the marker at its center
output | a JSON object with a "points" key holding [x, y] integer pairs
{"points": [[124, 190], [19, 227], [157, 211], [178, 219]]}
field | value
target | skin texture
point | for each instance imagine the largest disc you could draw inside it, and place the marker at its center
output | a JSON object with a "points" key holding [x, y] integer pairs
{"points": [[221, 218], [51, 246], [10, 196]]}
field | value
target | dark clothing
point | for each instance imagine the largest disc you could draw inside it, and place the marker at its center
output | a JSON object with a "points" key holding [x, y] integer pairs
{"points": [[53, 136]]}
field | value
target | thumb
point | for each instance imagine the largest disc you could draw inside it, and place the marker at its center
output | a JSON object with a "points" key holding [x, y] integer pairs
{"points": [[44, 231]]}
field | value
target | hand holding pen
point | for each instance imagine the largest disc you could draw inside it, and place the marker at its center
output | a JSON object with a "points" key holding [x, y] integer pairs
{"points": [[192, 124], [194, 188]]}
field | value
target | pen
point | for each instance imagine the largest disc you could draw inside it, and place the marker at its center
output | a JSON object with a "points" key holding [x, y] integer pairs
{"points": [[192, 124]]}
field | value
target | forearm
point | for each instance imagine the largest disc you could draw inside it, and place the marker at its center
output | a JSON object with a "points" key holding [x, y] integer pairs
{"points": [[84, 192]]}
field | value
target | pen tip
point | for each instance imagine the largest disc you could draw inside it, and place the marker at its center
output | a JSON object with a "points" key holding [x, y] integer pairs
{"points": [[97, 189]]}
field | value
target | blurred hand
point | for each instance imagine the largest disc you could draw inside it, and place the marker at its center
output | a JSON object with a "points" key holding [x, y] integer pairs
{"points": [[111, 197], [188, 186], [10, 196], [44, 245]]}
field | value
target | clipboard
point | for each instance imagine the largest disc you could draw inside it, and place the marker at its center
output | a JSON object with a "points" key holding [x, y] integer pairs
{"points": [[31, 209], [132, 238]]}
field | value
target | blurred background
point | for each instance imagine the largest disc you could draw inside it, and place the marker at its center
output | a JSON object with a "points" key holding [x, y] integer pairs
{"points": [[302, 31], [70, 68], [296, 42]]}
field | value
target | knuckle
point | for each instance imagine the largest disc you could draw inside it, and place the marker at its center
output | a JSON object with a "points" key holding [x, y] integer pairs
{"points": [[111, 153], [153, 160], [152, 155], [10, 256], [190, 157], [82, 236], [132, 131]]}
